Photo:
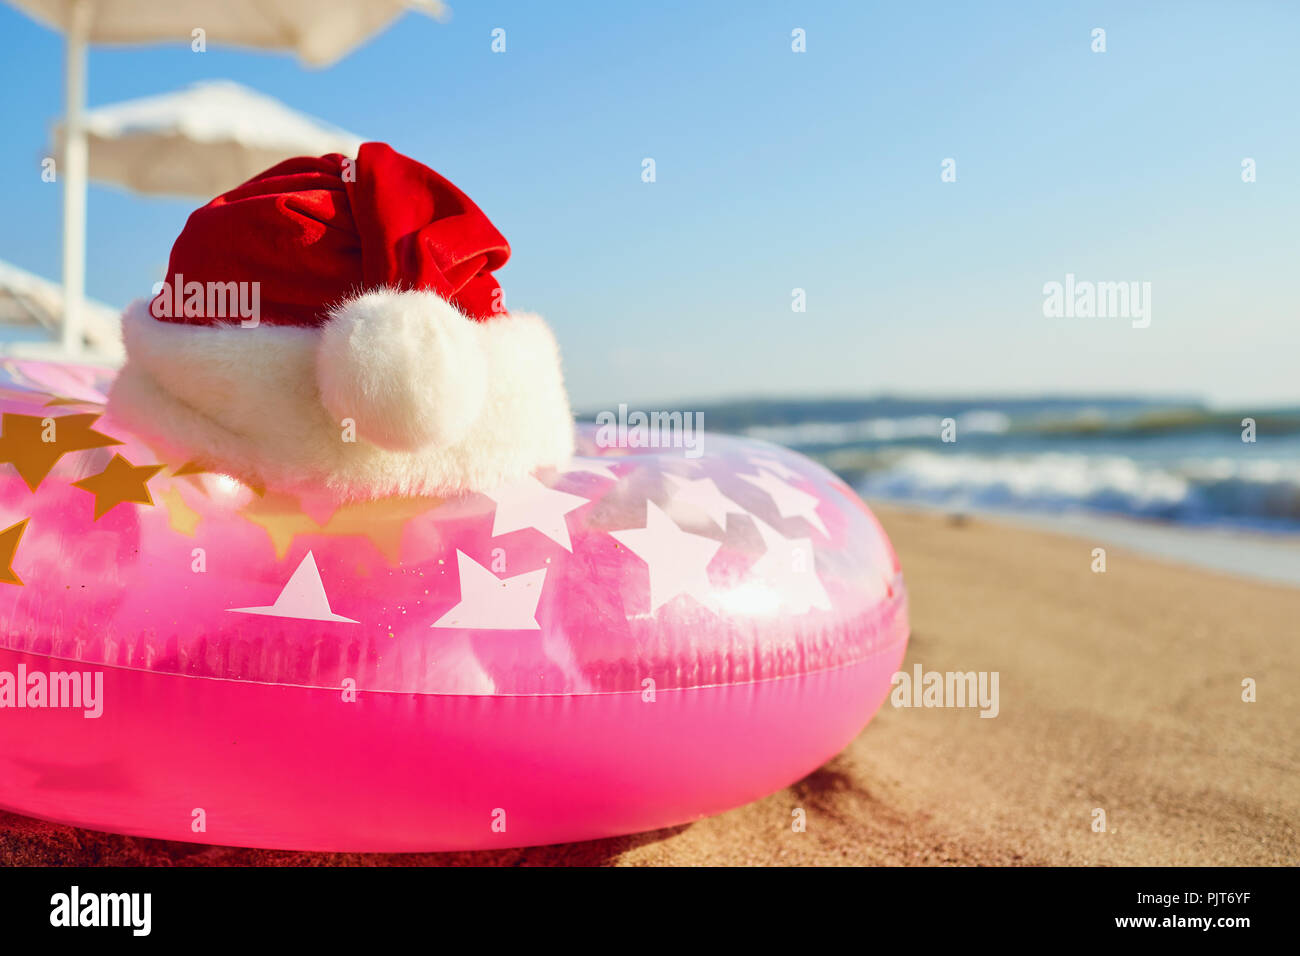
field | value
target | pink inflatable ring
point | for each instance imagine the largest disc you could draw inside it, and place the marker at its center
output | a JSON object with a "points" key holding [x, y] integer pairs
{"points": [[639, 641]]}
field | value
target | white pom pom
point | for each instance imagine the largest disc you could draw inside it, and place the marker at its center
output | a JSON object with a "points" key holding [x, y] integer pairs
{"points": [[407, 367]]}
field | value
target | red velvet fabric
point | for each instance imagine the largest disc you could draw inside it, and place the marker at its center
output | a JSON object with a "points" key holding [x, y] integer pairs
{"points": [[313, 236]]}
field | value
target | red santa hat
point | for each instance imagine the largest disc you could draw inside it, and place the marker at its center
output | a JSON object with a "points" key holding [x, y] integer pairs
{"points": [[335, 322]]}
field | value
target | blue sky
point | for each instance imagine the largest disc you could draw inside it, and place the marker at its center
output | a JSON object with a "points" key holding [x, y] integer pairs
{"points": [[819, 171]]}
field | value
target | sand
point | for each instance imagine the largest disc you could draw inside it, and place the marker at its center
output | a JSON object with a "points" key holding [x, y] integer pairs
{"points": [[1118, 691]]}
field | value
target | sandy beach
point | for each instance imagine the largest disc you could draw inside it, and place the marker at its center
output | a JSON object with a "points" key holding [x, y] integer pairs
{"points": [[1120, 691]]}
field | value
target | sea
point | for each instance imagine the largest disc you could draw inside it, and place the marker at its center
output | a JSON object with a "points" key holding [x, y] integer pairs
{"points": [[1174, 478]]}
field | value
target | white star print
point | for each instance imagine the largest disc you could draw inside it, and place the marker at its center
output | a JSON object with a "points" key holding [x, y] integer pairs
{"points": [[490, 603], [592, 466], [303, 597], [788, 566], [528, 503], [678, 560], [790, 501], [774, 466], [703, 494], [666, 462]]}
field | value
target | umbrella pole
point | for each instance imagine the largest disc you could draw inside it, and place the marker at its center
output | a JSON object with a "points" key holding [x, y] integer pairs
{"points": [[74, 177]]}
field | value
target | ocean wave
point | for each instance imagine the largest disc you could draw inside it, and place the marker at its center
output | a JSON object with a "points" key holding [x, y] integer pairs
{"points": [[1260, 493], [826, 434], [1077, 422]]}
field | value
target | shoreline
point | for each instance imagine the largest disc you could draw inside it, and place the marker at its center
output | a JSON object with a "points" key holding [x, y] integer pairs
{"points": [[1268, 557]]}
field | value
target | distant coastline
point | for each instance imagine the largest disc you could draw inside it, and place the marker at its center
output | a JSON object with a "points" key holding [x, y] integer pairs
{"points": [[1166, 460]]}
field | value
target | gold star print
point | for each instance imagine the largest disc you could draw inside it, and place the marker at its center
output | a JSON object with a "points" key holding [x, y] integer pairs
{"points": [[381, 521], [23, 442], [59, 400], [9, 539], [180, 516], [120, 481]]}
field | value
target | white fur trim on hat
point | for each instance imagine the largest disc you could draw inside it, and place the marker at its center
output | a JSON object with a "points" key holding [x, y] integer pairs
{"points": [[398, 394], [407, 368]]}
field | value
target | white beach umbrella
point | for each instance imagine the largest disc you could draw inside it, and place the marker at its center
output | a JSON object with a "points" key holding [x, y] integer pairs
{"points": [[31, 314], [202, 140], [318, 31]]}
